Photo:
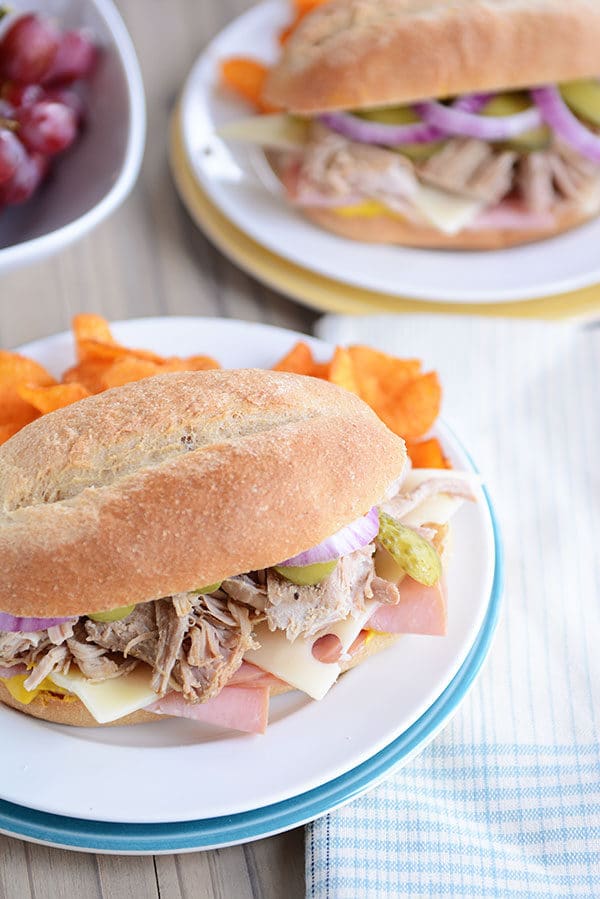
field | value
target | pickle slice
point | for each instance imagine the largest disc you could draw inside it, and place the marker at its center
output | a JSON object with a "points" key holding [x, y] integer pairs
{"points": [[417, 557], [306, 575], [584, 98], [401, 115], [511, 104], [212, 588], [112, 614]]}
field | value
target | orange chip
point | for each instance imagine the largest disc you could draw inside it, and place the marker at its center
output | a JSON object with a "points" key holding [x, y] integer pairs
{"points": [[303, 7], [299, 360], [87, 326], [89, 373], [15, 413], [341, 370], [16, 369], [128, 369], [412, 413], [48, 399], [427, 454], [381, 375], [192, 363], [247, 78], [96, 349]]}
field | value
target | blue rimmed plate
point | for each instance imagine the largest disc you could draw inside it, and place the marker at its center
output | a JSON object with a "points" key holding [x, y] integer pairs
{"points": [[327, 753]]}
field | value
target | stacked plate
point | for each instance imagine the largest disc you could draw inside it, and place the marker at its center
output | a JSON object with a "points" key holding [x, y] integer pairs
{"points": [[194, 787], [233, 195]]}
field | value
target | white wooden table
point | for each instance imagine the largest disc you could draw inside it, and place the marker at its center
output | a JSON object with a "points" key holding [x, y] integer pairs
{"points": [[149, 259]]}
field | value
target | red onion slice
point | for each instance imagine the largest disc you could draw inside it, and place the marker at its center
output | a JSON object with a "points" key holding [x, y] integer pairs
{"points": [[365, 132], [354, 536], [28, 625], [453, 120], [472, 102], [559, 117]]}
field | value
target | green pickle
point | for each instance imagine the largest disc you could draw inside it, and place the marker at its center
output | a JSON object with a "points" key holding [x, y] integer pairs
{"points": [[415, 555], [212, 588], [306, 575], [112, 615], [401, 115], [584, 98], [511, 104]]}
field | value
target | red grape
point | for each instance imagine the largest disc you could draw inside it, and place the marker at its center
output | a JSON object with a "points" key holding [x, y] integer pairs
{"points": [[25, 181], [75, 58], [68, 97], [22, 94], [28, 48], [12, 155], [47, 127]]}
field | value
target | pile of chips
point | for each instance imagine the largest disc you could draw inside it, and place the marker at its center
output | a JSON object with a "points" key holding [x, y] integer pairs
{"points": [[403, 396]]}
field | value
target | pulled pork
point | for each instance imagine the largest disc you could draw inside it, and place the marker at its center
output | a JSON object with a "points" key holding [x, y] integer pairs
{"points": [[334, 171], [304, 611], [194, 644]]}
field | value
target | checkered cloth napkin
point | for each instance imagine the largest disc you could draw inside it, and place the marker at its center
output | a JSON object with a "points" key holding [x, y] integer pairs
{"points": [[506, 802]]}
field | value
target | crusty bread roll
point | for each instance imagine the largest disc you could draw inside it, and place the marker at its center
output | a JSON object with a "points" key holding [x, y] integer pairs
{"points": [[178, 481], [391, 229], [69, 710], [350, 54]]}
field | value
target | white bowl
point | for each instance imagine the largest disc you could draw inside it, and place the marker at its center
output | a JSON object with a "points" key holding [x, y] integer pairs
{"points": [[95, 176]]}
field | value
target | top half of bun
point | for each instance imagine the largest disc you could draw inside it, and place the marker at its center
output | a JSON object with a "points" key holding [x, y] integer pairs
{"points": [[177, 481], [351, 54]]}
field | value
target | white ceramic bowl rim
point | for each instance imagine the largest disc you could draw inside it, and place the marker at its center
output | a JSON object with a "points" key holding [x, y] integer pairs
{"points": [[45, 244]]}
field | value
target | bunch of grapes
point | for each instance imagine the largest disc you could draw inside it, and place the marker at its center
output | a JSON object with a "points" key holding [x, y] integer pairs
{"points": [[41, 113]]}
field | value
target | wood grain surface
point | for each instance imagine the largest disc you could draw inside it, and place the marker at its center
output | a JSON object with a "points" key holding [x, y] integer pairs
{"points": [[149, 259]]}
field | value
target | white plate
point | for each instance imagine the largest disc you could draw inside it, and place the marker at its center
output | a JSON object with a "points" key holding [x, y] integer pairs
{"points": [[181, 771], [239, 183]]}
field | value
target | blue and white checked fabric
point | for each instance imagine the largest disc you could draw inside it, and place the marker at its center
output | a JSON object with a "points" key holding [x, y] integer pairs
{"points": [[506, 801]]}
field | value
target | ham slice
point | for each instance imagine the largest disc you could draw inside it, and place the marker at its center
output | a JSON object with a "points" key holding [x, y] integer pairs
{"points": [[327, 649], [512, 215], [249, 675], [238, 708], [421, 610]]}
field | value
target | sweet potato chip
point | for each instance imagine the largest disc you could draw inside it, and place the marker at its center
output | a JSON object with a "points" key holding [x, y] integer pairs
{"points": [[128, 369], [16, 369], [192, 363], [246, 77], [89, 373], [427, 454], [48, 399], [341, 370], [96, 349], [87, 326], [413, 411], [299, 360], [379, 375]]}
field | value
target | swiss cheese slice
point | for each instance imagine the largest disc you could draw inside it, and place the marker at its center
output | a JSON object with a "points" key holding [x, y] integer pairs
{"points": [[112, 699], [277, 132], [448, 212], [438, 509], [294, 662]]}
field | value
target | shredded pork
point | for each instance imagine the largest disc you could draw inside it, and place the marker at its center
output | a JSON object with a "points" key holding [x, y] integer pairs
{"points": [[334, 171], [305, 611]]}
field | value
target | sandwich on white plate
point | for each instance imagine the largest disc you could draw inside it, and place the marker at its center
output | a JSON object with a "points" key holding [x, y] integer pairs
{"points": [[473, 124], [193, 543]]}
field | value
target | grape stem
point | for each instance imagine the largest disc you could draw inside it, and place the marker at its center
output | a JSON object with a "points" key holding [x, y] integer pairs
{"points": [[4, 11], [9, 124]]}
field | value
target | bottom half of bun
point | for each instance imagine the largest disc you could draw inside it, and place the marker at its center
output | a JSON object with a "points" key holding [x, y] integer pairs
{"points": [[71, 711], [391, 229]]}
